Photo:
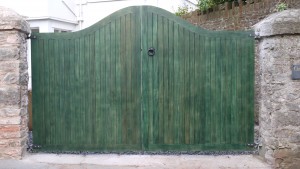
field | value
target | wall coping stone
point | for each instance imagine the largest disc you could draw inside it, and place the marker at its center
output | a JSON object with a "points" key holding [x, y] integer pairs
{"points": [[276, 24], [10, 20]]}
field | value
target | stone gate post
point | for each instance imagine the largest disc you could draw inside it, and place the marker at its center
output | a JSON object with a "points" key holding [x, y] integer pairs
{"points": [[279, 51], [13, 84]]}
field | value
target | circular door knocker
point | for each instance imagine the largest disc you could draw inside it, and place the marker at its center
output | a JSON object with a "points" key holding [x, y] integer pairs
{"points": [[151, 51]]}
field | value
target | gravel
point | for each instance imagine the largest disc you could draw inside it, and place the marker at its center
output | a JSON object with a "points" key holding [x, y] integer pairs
{"points": [[34, 149]]}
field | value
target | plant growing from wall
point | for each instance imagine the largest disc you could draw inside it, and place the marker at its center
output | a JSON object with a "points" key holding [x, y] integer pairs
{"points": [[281, 6], [205, 5], [182, 10]]}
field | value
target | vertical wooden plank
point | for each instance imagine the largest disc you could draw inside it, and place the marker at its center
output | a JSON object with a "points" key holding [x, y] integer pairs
{"points": [[145, 64], [213, 89], [36, 55], [87, 90], [46, 94], [123, 80], [240, 113], [191, 70], [113, 83], [171, 82], [156, 38], [165, 81], [67, 95], [228, 82], [55, 98], [148, 85], [250, 89], [72, 94], [108, 89], [233, 103], [160, 54], [50, 95], [202, 88], [197, 92], [92, 104], [102, 111], [77, 88], [181, 91], [118, 83], [186, 101], [81, 92], [176, 86], [207, 90], [223, 91], [129, 80], [218, 97]]}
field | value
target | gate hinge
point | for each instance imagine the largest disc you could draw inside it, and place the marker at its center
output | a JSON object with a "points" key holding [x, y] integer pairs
{"points": [[255, 35], [35, 146], [31, 37], [253, 145]]}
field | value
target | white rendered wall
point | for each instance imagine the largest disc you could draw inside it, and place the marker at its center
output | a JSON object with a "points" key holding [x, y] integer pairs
{"points": [[37, 12], [95, 10]]}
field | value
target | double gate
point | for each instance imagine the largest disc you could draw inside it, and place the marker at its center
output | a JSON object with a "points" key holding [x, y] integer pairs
{"points": [[143, 79]]}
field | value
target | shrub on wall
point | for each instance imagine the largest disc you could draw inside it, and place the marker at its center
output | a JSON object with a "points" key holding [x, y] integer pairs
{"points": [[205, 5]]}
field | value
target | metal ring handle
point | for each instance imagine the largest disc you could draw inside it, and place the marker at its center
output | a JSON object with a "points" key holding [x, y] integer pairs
{"points": [[151, 51]]}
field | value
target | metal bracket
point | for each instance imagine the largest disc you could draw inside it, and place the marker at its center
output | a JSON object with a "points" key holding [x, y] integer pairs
{"points": [[36, 146], [31, 37], [253, 145]]}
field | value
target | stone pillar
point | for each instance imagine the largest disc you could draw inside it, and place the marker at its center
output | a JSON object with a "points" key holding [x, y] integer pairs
{"points": [[13, 84], [279, 50]]}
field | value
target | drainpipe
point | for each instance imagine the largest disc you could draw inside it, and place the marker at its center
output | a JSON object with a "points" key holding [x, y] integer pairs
{"points": [[80, 17]]}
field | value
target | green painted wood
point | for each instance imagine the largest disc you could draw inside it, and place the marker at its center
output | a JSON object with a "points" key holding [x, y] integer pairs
{"points": [[98, 90], [200, 86]]}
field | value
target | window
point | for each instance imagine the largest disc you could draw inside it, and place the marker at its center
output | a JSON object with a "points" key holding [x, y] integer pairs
{"points": [[60, 30], [35, 30]]}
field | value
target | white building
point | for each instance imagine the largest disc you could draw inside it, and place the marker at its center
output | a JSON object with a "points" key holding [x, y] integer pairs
{"points": [[73, 15]]}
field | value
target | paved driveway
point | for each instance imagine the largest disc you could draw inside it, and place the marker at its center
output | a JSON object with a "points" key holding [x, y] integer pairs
{"points": [[112, 161]]}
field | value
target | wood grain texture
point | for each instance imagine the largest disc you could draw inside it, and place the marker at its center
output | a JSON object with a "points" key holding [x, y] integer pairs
{"points": [[98, 90]]}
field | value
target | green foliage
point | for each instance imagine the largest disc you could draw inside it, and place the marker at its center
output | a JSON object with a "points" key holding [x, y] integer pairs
{"points": [[182, 10], [204, 5], [281, 6]]}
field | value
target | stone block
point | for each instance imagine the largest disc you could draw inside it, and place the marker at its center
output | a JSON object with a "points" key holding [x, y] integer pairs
{"points": [[18, 142], [9, 95], [9, 66], [11, 152], [295, 139], [10, 78], [282, 153], [13, 134], [10, 120], [9, 53], [10, 128], [9, 112]]}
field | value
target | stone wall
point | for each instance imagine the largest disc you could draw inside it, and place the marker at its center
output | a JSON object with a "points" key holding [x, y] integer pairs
{"points": [[13, 84], [279, 49], [238, 15]]}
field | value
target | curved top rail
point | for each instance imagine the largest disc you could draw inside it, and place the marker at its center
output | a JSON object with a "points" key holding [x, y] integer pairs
{"points": [[137, 10]]}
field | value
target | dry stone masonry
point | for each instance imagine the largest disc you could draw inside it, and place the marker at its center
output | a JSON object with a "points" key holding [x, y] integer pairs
{"points": [[13, 84], [279, 50]]}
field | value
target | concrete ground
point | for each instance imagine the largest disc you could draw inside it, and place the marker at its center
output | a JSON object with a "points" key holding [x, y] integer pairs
{"points": [[113, 161]]}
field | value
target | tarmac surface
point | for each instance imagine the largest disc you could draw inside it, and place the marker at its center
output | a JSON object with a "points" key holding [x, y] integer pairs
{"points": [[114, 161]]}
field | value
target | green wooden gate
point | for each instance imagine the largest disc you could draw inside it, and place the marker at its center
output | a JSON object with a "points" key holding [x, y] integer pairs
{"points": [[98, 89]]}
